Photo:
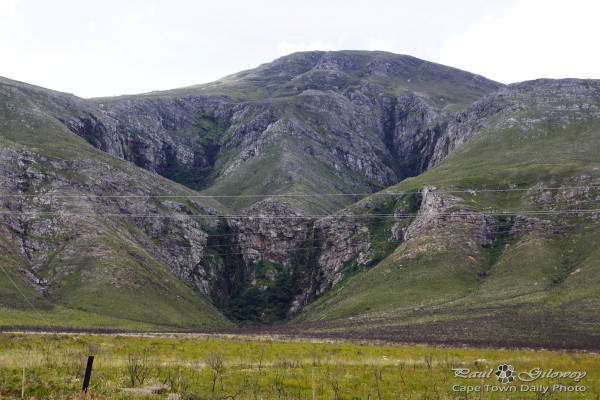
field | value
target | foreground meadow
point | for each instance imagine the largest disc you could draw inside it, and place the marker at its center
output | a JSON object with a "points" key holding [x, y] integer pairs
{"points": [[235, 367]]}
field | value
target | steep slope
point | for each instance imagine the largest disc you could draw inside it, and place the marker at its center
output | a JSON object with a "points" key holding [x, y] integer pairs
{"points": [[494, 243], [503, 247], [308, 123], [95, 241], [270, 142]]}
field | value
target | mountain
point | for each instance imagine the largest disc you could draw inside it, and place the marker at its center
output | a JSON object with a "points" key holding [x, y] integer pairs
{"points": [[364, 194], [503, 246], [308, 123], [94, 240]]}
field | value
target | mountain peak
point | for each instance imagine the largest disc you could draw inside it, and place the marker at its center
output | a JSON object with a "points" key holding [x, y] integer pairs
{"points": [[289, 147]]}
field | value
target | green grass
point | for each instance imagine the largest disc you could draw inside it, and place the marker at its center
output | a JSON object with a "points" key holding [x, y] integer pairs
{"points": [[60, 316], [103, 281], [268, 368], [98, 264], [294, 73], [403, 282], [537, 286], [282, 172], [281, 91]]}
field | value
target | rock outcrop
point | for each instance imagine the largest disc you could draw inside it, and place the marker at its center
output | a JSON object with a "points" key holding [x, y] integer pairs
{"points": [[285, 146], [349, 121], [439, 211], [271, 231]]}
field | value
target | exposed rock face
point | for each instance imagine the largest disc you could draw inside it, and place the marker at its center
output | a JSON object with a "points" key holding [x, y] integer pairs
{"points": [[63, 213], [439, 211], [102, 132], [344, 240], [271, 231], [560, 101], [310, 124], [280, 234], [524, 225], [337, 243], [417, 127], [339, 117], [22, 222], [465, 124], [157, 132]]}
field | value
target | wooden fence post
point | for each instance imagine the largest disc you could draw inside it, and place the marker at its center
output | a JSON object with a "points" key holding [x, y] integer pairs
{"points": [[23, 381], [313, 382], [482, 389], [88, 374]]}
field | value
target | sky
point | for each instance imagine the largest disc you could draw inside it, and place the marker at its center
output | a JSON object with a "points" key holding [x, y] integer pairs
{"points": [[113, 47]]}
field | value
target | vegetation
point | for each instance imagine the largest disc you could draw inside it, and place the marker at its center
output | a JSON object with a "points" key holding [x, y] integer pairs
{"points": [[531, 173], [197, 177], [95, 268], [265, 301], [532, 284], [213, 367]]}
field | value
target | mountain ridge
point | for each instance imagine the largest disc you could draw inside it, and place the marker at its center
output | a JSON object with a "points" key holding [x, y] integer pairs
{"points": [[343, 108], [276, 156]]}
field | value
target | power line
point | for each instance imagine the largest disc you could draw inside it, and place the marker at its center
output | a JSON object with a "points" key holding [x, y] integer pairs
{"points": [[311, 195], [261, 249], [32, 306], [307, 216], [365, 224], [349, 237]]}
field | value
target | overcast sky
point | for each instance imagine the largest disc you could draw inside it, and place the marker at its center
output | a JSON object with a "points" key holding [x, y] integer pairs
{"points": [[110, 47]]}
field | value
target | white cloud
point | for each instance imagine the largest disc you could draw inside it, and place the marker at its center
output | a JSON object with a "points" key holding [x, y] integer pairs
{"points": [[289, 47], [8, 8], [533, 39], [124, 46], [381, 44]]}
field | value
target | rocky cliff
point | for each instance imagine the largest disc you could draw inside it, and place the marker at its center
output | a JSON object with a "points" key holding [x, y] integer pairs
{"points": [[281, 154], [315, 122]]}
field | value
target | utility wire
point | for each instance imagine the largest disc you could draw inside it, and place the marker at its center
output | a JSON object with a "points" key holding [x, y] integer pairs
{"points": [[350, 237], [382, 193], [301, 217], [35, 309], [261, 250]]}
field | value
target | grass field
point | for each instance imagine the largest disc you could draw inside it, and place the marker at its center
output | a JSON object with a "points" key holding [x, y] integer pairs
{"points": [[244, 367]]}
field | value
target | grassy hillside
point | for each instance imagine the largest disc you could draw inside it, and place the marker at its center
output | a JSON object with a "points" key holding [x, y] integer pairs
{"points": [[291, 75], [537, 174], [495, 245], [310, 122], [67, 216]]}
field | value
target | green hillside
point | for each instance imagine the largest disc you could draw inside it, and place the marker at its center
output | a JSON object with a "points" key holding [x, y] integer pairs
{"points": [[496, 243], [307, 123], [66, 216], [536, 172]]}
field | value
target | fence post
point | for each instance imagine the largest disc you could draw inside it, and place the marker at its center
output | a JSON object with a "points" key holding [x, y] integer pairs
{"points": [[23, 381], [88, 374], [313, 383], [482, 389]]}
